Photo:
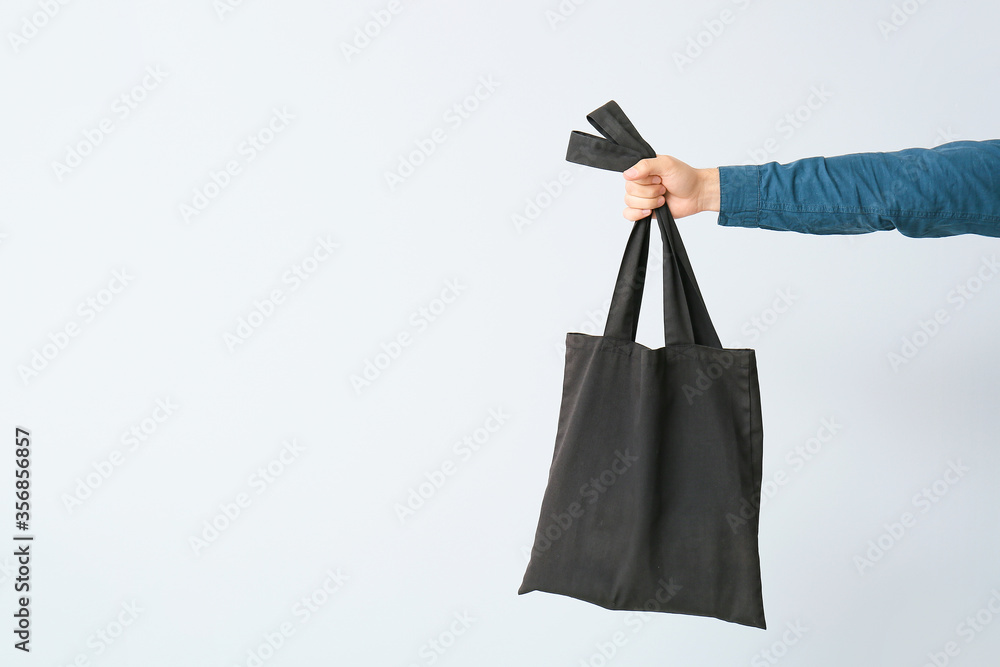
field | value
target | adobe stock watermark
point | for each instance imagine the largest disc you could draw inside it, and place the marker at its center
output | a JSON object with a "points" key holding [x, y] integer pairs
{"points": [[463, 450], [293, 278], [911, 168], [596, 319], [796, 459], [927, 329], [224, 8], [751, 329], [303, 610], [899, 16], [769, 315], [923, 501], [87, 311], [437, 646], [247, 150], [708, 374], [102, 639], [606, 651], [135, 436], [369, 31], [711, 30], [592, 326], [971, 627], [259, 481], [456, 116], [562, 12], [124, 105], [776, 652], [420, 320], [545, 195], [635, 621], [33, 23], [946, 135], [791, 122], [638, 620], [591, 491]]}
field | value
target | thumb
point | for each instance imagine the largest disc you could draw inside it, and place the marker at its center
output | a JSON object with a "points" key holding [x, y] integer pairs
{"points": [[640, 169]]}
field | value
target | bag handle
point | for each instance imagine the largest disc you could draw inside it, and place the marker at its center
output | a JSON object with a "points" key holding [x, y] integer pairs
{"points": [[685, 316]]}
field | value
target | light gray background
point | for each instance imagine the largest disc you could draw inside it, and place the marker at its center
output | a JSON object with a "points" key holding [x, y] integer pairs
{"points": [[496, 346]]}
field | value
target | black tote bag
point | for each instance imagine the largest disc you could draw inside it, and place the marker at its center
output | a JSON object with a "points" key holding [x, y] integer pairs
{"points": [[656, 471]]}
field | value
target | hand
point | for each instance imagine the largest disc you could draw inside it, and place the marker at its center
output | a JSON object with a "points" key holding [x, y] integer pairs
{"points": [[685, 189]]}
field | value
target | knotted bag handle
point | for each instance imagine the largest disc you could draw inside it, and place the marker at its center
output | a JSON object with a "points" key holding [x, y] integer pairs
{"points": [[685, 317]]}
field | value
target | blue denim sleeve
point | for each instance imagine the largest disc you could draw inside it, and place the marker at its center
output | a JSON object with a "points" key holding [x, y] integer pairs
{"points": [[923, 192]]}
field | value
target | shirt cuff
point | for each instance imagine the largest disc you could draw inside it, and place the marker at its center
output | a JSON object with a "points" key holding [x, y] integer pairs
{"points": [[739, 196]]}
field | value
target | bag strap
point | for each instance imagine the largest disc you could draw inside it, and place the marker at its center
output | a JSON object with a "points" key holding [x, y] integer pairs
{"points": [[685, 316]]}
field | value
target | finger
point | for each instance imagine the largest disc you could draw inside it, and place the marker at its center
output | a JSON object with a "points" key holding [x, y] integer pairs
{"points": [[643, 202], [647, 180], [634, 214], [640, 170], [661, 164], [648, 191]]}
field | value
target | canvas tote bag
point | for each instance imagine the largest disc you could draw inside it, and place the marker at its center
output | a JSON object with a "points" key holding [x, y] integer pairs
{"points": [[656, 471]]}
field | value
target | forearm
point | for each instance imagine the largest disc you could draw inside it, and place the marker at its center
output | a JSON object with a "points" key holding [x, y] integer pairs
{"points": [[943, 191]]}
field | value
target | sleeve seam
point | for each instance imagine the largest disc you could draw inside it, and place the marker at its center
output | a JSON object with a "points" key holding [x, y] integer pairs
{"points": [[756, 213], [882, 211]]}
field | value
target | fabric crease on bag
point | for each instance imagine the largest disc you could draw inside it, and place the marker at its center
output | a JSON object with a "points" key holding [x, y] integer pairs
{"points": [[658, 452]]}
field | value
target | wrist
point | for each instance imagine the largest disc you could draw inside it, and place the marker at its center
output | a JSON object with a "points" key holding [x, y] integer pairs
{"points": [[710, 195]]}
